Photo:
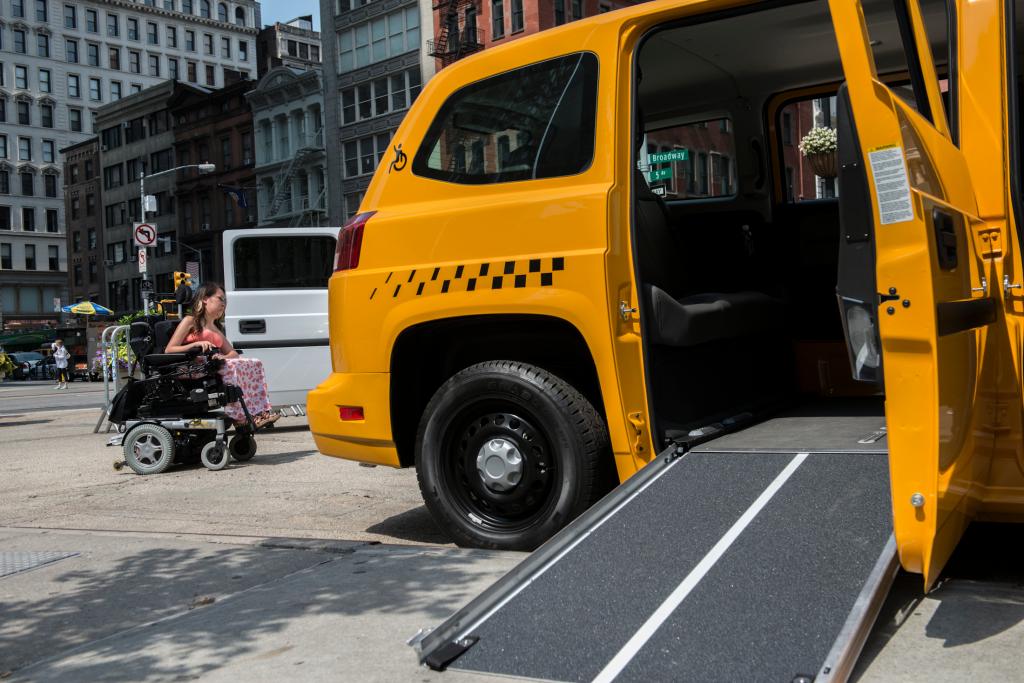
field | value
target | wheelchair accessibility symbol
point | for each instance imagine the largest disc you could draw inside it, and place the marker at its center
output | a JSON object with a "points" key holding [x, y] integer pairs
{"points": [[400, 160]]}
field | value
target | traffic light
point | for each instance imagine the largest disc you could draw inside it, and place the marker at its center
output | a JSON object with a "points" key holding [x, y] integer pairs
{"points": [[182, 278]]}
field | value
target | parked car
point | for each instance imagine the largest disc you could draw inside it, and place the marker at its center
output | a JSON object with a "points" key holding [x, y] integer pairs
{"points": [[25, 363]]}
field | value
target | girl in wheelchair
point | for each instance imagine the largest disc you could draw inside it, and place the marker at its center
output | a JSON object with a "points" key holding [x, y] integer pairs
{"points": [[203, 331]]}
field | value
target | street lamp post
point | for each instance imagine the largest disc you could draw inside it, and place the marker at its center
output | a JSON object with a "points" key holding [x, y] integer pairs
{"points": [[203, 168]]}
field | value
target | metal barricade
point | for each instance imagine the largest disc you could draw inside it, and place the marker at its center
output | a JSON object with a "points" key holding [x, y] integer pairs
{"points": [[108, 345]]}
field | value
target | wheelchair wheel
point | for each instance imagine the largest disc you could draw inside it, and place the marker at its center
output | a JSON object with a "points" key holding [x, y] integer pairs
{"points": [[214, 456], [148, 449], [242, 447]]}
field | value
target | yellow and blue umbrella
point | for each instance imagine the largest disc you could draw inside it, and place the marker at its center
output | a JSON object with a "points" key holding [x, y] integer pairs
{"points": [[87, 308]]}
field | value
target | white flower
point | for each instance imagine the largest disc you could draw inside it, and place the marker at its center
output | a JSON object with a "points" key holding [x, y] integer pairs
{"points": [[819, 141]]}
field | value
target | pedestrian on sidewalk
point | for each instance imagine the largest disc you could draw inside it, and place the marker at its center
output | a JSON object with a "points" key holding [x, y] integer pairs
{"points": [[60, 362]]}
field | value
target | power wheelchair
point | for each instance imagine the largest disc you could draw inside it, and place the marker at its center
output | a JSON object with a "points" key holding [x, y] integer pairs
{"points": [[176, 411]]}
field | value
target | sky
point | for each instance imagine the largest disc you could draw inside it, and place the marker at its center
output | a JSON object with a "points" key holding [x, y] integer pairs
{"points": [[283, 10]]}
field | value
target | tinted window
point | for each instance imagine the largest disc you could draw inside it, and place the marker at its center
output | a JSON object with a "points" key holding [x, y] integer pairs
{"points": [[283, 262], [534, 122]]}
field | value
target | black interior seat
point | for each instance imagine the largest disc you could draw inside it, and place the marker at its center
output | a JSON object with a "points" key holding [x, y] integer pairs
{"points": [[682, 317]]}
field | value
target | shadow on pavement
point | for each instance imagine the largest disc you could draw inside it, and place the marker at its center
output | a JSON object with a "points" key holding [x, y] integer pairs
{"points": [[412, 525], [258, 592], [22, 423]]}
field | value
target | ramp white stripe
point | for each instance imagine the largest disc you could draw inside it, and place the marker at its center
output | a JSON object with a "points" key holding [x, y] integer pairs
{"points": [[654, 622]]}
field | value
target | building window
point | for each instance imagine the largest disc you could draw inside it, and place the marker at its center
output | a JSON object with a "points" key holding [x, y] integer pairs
{"points": [[45, 84], [172, 37], [517, 15], [204, 9], [75, 119], [19, 41], [134, 62], [186, 7], [5, 249], [18, 8], [71, 51], [92, 238], [191, 70], [114, 58], [115, 90], [154, 65], [52, 252], [498, 18], [225, 48], [222, 12], [78, 275], [243, 50], [207, 44], [88, 169], [113, 25], [577, 9], [559, 12], [239, 16], [21, 77], [90, 204], [30, 256], [391, 35], [76, 241], [151, 33], [70, 16], [172, 68], [49, 151], [24, 149], [5, 182], [95, 93], [136, 88], [50, 185], [41, 11], [3, 146], [5, 218], [133, 29], [74, 86], [209, 75], [46, 115], [28, 219], [76, 213], [91, 21], [52, 224], [225, 152], [43, 45], [24, 117], [247, 145], [92, 52], [190, 41]]}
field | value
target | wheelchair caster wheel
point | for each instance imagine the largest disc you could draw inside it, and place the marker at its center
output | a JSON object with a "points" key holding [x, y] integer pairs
{"points": [[214, 456], [242, 447]]}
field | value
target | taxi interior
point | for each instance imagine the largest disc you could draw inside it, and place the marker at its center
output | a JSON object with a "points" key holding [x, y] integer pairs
{"points": [[738, 245]]}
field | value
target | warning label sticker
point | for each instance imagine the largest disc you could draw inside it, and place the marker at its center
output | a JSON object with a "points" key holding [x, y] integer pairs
{"points": [[891, 184]]}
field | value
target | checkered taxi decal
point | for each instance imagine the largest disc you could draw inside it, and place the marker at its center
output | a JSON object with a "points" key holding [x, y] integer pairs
{"points": [[517, 274]]}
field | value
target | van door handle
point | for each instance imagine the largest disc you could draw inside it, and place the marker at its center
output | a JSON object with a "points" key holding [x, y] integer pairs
{"points": [[944, 224], [252, 326]]}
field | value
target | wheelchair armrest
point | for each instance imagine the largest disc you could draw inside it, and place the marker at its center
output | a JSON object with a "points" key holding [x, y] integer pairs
{"points": [[159, 360]]}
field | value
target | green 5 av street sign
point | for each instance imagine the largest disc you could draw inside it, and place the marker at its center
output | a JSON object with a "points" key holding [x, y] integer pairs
{"points": [[663, 157], [661, 174]]}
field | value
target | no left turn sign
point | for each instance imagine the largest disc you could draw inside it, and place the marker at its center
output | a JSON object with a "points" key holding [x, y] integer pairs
{"points": [[144, 234]]}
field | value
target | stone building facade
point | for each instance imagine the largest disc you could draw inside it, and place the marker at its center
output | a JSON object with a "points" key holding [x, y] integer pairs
{"points": [[214, 128], [83, 206], [59, 62], [293, 43], [375, 64], [287, 112]]}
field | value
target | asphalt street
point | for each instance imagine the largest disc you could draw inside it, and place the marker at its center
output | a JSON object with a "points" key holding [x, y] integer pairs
{"points": [[298, 565], [34, 396]]}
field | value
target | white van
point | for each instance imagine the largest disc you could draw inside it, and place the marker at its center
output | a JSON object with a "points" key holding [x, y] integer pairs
{"points": [[276, 284]]}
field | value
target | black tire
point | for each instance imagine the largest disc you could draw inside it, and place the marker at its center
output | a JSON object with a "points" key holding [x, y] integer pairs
{"points": [[148, 449], [214, 456], [242, 447], [549, 444]]}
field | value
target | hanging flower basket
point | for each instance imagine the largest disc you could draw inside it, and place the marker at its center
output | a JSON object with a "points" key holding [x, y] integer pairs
{"points": [[820, 147], [824, 164]]}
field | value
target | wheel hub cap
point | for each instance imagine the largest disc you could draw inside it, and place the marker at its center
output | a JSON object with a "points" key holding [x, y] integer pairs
{"points": [[500, 464]]}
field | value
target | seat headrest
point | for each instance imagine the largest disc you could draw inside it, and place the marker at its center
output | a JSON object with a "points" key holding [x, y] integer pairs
{"points": [[140, 338], [162, 333]]}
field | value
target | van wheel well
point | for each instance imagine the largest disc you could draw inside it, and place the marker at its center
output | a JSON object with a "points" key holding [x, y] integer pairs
{"points": [[426, 355]]}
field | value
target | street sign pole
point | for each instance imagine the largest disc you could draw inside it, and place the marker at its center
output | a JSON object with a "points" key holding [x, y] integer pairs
{"points": [[144, 252]]}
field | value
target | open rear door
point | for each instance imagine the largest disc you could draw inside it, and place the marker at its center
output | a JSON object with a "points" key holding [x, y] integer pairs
{"points": [[930, 309]]}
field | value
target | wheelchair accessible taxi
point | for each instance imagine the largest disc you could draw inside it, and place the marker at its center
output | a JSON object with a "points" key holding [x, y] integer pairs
{"points": [[176, 411]]}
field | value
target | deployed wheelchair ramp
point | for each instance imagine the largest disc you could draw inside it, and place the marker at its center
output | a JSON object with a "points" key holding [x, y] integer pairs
{"points": [[729, 562]]}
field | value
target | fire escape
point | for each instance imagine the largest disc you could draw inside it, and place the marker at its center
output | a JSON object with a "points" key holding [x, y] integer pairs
{"points": [[459, 35], [282, 202]]}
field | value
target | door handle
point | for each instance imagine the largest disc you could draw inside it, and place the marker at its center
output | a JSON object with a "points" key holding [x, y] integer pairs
{"points": [[1007, 286], [252, 326], [944, 225]]}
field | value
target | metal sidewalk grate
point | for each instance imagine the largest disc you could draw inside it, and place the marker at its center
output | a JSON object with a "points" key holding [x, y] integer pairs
{"points": [[12, 562]]}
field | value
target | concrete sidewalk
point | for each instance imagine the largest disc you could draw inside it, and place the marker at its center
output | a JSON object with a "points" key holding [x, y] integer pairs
{"points": [[132, 607]]}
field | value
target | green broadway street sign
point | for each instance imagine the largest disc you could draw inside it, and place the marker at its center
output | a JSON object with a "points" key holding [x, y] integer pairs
{"points": [[664, 157], [661, 174]]}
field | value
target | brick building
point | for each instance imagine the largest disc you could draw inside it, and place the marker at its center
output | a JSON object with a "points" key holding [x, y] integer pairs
{"points": [[83, 206], [214, 128]]}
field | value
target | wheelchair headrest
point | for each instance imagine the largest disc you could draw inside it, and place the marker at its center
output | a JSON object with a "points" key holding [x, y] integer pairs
{"points": [[140, 338], [162, 333]]}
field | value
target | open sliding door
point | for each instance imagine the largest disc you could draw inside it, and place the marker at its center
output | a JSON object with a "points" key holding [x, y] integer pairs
{"points": [[931, 309]]}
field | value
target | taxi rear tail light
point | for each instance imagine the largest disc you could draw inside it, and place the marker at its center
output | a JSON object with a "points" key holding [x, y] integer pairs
{"points": [[350, 242], [350, 413]]}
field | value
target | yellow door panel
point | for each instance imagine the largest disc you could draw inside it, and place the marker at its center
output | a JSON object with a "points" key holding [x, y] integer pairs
{"points": [[932, 323]]}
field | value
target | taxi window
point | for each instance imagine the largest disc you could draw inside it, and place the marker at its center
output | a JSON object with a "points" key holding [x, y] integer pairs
{"points": [[529, 123], [691, 161]]}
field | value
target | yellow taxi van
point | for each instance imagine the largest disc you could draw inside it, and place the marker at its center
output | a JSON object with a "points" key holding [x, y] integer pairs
{"points": [[596, 242]]}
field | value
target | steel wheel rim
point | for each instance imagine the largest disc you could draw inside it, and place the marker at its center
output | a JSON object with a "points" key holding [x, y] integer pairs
{"points": [[503, 511], [148, 450]]}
